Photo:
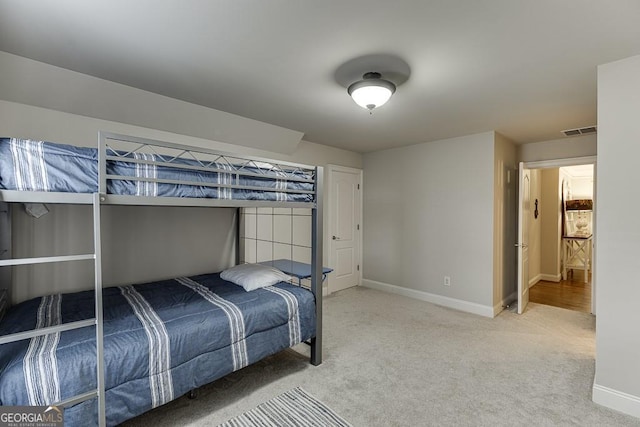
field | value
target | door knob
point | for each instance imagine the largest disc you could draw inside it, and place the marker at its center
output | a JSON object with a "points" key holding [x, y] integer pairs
{"points": [[336, 238]]}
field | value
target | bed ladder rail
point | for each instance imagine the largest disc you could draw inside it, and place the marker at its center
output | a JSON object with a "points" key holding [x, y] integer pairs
{"points": [[44, 260], [18, 336], [74, 400], [99, 392]]}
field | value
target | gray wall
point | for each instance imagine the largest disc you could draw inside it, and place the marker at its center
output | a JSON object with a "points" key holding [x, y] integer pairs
{"points": [[140, 243], [562, 148], [617, 380], [43, 85], [428, 213], [551, 217], [26, 121], [158, 242]]}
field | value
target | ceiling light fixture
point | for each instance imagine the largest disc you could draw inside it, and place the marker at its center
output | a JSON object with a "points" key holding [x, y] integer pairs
{"points": [[372, 91]]}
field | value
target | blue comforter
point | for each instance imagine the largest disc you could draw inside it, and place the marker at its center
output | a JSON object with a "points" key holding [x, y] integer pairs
{"points": [[44, 166], [161, 340]]}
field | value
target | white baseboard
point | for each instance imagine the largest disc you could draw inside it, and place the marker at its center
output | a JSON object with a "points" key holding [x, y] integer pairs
{"points": [[469, 307], [551, 277], [535, 280], [616, 400]]}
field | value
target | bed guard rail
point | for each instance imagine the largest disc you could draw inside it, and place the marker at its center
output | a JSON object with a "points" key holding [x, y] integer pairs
{"points": [[149, 163]]}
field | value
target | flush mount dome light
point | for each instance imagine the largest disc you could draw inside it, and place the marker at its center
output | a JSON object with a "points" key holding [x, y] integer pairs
{"points": [[372, 91]]}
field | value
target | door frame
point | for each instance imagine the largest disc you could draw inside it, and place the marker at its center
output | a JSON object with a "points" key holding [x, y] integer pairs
{"points": [[523, 230], [328, 218], [575, 161]]}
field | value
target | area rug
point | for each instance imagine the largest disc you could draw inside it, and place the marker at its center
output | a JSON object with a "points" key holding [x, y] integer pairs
{"points": [[295, 408]]}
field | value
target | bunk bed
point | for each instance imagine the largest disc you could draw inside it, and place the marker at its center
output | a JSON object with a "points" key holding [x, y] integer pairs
{"points": [[112, 353]]}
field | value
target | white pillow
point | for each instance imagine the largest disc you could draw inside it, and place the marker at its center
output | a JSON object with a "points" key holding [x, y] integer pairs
{"points": [[254, 276]]}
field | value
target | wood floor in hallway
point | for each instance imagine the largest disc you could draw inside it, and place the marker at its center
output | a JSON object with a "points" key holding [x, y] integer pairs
{"points": [[573, 293]]}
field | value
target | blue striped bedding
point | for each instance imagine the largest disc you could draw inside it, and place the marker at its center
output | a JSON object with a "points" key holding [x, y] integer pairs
{"points": [[161, 340], [45, 166]]}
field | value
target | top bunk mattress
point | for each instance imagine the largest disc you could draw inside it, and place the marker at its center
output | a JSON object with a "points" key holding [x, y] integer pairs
{"points": [[28, 165]]}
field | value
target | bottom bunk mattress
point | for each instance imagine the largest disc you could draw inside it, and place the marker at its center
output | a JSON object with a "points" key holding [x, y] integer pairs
{"points": [[161, 340]]}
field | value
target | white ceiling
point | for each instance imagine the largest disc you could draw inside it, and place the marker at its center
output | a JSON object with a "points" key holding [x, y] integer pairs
{"points": [[526, 69]]}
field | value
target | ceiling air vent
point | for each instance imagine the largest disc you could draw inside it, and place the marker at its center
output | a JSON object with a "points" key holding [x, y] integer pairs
{"points": [[580, 131]]}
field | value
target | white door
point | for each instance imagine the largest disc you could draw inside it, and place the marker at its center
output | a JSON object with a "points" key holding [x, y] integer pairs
{"points": [[524, 211], [593, 242], [344, 227]]}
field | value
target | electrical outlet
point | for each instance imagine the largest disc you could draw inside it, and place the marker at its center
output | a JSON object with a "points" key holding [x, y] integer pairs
{"points": [[447, 281]]}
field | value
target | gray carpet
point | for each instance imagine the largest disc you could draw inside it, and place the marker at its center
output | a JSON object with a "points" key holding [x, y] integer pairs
{"points": [[394, 361]]}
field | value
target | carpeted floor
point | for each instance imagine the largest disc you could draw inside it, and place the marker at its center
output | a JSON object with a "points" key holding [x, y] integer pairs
{"points": [[394, 361]]}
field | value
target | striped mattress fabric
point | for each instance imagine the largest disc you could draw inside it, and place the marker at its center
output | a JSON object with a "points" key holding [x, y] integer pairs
{"points": [[291, 409], [161, 338], [30, 165]]}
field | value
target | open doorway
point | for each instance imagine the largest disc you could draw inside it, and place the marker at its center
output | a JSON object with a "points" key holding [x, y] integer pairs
{"points": [[560, 233]]}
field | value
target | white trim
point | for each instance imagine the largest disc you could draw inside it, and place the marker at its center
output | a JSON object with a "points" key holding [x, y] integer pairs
{"points": [[551, 277], [616, 400], [469, 307], [336, 168], [574, 161], [594, 229], [523, 230], [535, 280], [558, 163]]}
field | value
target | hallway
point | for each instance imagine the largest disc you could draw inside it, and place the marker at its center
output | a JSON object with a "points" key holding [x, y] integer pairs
{"points": [[573, 293]]}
